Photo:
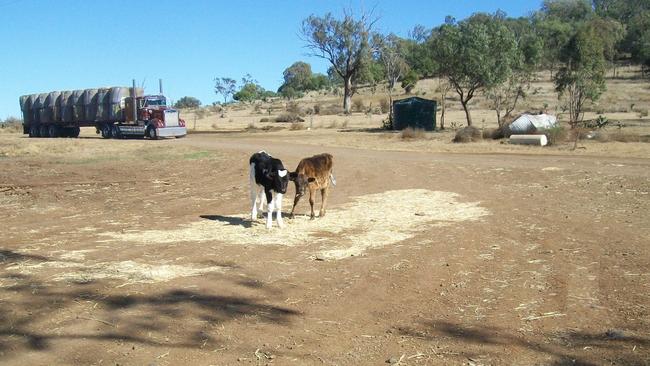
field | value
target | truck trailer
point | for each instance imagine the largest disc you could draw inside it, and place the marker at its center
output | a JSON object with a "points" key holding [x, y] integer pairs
{"points": [[115, 112]]}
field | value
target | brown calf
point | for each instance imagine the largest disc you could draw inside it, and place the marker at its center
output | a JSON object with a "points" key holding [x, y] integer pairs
{"points": [[313, 173]]}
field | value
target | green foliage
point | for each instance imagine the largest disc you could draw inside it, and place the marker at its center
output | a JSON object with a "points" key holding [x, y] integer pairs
{"points": [[479, 53], [582, 77], [567, 10], [225, 87], [298, 79], [637, 41], [409, 81], [187, 102], [344, 43]]}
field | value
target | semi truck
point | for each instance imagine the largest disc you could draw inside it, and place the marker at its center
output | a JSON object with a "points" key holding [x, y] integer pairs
{"points": [[115, 112]]}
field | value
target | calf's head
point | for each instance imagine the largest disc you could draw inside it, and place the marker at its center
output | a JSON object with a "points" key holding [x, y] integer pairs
{"points": [[279, 180], [301, 181]]}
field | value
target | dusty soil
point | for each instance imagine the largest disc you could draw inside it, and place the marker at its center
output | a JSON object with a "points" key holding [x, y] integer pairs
{"points": [[141, 253]]}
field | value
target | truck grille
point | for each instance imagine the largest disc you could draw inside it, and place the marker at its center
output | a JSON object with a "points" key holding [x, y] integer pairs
{"points": [[171, 118]]}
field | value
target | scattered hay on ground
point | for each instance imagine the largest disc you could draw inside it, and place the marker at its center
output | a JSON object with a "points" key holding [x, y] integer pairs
{"points": [[72, 267], [369, 221]]}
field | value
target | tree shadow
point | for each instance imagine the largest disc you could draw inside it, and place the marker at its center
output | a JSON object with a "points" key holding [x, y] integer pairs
{"points": [[230, 220], [10, 255], [564, 346], [33, 307]]}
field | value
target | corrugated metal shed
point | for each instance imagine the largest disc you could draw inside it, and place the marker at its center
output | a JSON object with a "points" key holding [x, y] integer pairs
{"points": [[414, 112]]}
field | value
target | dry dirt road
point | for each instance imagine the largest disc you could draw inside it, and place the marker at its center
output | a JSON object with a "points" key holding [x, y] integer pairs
{"points": [[422, 259]]}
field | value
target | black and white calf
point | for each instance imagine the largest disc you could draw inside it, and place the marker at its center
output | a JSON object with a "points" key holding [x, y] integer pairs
{"points": [[267, 176]]}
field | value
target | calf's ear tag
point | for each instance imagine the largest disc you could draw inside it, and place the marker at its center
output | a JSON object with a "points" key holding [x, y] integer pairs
{"points": [[282, 173]]}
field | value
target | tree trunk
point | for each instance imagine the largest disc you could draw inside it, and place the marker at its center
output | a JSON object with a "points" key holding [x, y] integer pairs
{"points": [[467, 114], [390, 108], [442, 114], [347, 94]]}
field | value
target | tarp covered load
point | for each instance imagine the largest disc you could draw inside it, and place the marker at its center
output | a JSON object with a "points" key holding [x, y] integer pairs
{"points": [[414, 112], [527, 123]]}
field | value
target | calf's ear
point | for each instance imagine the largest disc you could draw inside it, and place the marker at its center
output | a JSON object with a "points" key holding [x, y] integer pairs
{"points": [[293, 176]]}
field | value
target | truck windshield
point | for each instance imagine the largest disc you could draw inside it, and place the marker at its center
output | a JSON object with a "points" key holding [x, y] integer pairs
{"points": [[154, 102]]}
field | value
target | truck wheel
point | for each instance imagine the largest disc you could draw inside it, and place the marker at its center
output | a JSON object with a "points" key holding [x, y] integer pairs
{"points": [[44, 131], [33, 131], [54, 131], [115, 132], [152, 133], [106, 131], [74, 132]]}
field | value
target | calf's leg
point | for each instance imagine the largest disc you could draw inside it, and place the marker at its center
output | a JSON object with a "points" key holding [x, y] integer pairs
{"points": [[324, 193], [311, 202], [295, 203]]}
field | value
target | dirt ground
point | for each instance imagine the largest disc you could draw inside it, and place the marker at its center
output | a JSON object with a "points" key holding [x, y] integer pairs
{"points": [[131, 252]]}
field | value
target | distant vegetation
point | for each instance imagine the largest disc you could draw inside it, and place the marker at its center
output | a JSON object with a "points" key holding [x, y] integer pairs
{"points": [[187, 102], [492, 55]]}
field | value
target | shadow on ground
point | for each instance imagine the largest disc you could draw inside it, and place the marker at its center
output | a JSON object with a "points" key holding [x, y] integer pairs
{"points": [[562, 348], [35, 314]]}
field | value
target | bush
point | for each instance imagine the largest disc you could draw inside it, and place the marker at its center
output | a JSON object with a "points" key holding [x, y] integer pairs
{"points": [[187, 102], [12, 125], [411, 134], [294, 108], [316, 108], [331, 110], [289, 117], [265, 119], [357, 105], [468, 134], [295, 126], [643, 113], [384, 105], [332, 124], [555, 135]]}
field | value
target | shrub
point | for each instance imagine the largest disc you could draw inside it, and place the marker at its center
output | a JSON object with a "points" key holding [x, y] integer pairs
{"points": [[316, 108], [643, 113], [294, 108], [411, 134], [265, 119], [330, 110], [357, 105], [295, 126], [12, 125], [468, 134], [289, 117], [187, 102], [333, 124], [384, 105], [555, 135]]}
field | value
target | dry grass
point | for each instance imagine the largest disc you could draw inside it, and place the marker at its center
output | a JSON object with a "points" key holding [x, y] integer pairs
{"points": [[622, 137], [332, 124], [413, 134], [11, 126], [296, 126]]}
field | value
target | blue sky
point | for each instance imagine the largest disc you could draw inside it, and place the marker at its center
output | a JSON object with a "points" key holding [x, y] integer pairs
{"points": [[76, 44]]}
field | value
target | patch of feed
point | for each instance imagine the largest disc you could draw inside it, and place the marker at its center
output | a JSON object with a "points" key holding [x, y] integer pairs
{"points": [[369, 221], [72, 267]]}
